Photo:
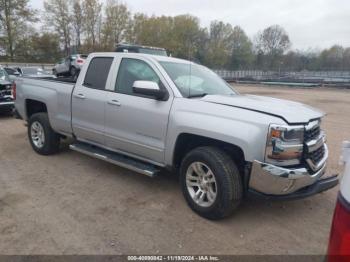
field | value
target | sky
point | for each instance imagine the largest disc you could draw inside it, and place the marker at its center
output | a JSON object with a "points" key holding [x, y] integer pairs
{"points": [[313, 24]]}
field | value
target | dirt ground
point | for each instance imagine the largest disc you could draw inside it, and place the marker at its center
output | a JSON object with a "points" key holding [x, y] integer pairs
{"points": [[72, 204]]}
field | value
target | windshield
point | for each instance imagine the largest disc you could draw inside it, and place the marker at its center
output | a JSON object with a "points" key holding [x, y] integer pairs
{"points": [[196, 80], [32, 71], [4, 75]]}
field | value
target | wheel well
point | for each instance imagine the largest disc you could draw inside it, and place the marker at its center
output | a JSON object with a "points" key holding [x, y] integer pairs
{"points": [[33, 107], [186, 142]]}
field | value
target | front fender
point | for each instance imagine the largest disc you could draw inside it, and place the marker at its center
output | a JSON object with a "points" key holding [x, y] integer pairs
{"points": [[242, 128]]}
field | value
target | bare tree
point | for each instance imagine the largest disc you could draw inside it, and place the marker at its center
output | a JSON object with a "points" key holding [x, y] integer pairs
{"points": [[14, 16], [116, 21], [92, 18], [77, 19], [58, 17], [273, 42]]}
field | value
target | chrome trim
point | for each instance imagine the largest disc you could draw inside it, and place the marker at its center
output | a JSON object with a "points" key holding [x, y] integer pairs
{"points": [[318, 165], [112, 161], [273, 180], [285, 148], [313, 124], [315, 144], [6, 103]]}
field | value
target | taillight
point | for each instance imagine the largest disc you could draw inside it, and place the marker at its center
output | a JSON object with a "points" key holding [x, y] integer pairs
{"points": [[14, 91], [79, 61], [339, 242]]}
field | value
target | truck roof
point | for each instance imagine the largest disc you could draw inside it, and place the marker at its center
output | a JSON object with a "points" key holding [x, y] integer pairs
{"points": [[149, 56], [132, 48], [127, 45]]}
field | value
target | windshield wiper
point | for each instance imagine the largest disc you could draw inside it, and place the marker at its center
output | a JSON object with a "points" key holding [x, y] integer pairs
{"points": [[197, 95]]}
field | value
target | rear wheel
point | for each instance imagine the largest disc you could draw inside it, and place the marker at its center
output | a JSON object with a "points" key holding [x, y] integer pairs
{"points": [[43, 139], [54, 72], [211, 182], [73, 71]]}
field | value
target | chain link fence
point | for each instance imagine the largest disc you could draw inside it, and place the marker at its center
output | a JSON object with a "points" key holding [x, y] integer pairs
{"points": [[320, 78], [46, 67]]}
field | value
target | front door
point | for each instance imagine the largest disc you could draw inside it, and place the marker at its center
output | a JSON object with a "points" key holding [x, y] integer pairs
{"points": [[137, 124], [89, 101]]}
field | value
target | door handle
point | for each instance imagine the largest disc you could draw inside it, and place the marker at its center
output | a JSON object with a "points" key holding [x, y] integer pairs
{"points": [[80, 96], [114, 103]]}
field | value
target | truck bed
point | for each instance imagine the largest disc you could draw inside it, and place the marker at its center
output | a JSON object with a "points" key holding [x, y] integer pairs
{"points": [[55, 93], [58, 79]]}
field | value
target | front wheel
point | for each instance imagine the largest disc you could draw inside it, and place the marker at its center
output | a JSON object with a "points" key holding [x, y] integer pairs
{"points": [[211, 182], [43, 139]]}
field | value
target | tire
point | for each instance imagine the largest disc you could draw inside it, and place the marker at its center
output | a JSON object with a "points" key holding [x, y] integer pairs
{"points": [[54, 72], [228, 182], [51, 142], [73, 71]]}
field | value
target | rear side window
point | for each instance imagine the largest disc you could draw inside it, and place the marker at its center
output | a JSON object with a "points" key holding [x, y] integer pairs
{"points": [[97, 73]]}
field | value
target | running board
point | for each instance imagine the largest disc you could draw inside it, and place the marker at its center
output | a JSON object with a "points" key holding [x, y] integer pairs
{"points": [[115, 158]]}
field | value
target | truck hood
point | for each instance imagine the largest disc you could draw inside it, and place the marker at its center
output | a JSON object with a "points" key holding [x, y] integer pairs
{"points": [[289, 111]]}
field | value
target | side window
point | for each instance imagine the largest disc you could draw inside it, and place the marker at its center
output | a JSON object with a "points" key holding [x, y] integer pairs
{"points": [[97, 73], [131, 70]]}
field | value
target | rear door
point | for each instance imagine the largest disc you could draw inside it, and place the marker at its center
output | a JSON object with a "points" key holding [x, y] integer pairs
{"points": [[89, 102], [137, 124]]}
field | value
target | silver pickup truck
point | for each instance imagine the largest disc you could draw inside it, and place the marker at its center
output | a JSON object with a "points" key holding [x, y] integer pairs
{"points": [[149, 113]]}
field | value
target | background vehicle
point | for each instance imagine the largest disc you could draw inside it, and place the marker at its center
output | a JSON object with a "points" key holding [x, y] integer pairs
{"points": [[12, 71], [6, 96], [128, 48], [147, 113], [339, 243], [34, 72], [69, 66]]}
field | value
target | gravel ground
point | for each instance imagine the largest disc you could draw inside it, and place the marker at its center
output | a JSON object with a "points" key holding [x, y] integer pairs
{"points": [[72, 204]]}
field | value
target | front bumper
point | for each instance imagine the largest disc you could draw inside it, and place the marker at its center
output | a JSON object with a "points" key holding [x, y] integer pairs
{"points": [[6, 105], [283, 183], [320, 186]]}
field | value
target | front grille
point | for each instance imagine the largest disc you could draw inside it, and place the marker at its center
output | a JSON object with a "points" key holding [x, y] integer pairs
{"points": [[5, 95], [312, 133], [317, 155], [314, 156]]}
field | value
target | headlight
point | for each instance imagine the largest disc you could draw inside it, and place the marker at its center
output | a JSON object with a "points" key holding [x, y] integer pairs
{"points": [[284, 145]]}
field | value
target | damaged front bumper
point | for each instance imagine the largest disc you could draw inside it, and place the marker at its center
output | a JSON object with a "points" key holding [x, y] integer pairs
{"points": [[273, 182], [7, 105]]}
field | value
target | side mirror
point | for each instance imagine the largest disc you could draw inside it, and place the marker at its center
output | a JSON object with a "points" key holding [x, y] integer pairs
{"points": [[149, 88]]}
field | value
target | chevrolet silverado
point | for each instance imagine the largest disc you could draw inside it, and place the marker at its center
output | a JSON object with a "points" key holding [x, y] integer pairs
{"points": [[149, 113]]}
